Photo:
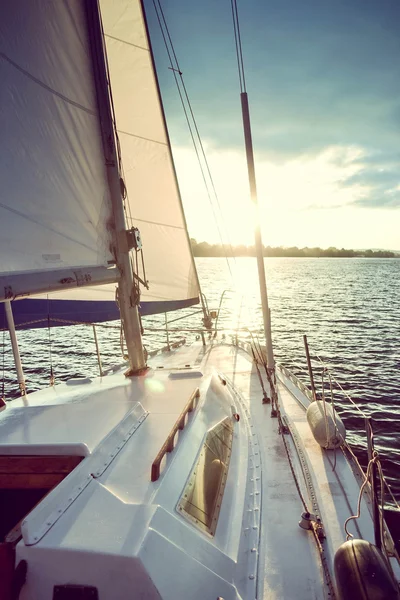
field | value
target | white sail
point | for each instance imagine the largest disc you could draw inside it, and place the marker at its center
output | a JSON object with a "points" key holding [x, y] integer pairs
{"points": [[153, 197], [54, 202], [57, 207]]}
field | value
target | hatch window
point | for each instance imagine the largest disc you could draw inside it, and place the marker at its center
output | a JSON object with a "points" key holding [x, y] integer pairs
{"points": [[202, 496]]}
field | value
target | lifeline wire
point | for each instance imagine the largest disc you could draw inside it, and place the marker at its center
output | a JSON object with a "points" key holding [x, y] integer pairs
{"points": [[348, 447]]}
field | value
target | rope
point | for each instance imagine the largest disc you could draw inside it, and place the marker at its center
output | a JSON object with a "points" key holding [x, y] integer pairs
{"points": [[374, 460], [283, 429], [175, 68], [349, 535], [341, 388], [348, 448], [324, 405], [334, 420], [294, 474], [265, 395]]}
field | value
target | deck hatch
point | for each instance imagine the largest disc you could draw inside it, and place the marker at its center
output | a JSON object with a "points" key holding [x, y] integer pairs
{"points": [[202, 497]]}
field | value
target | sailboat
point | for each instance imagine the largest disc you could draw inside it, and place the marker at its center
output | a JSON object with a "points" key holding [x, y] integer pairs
{"points": [[183, 474]]}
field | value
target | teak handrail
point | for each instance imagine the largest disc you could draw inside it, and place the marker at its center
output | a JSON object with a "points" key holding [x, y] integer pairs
{"points": [[168, 445]]}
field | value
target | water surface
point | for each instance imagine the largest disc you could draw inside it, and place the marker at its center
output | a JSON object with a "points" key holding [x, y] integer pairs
{"points": [[349, 309]]}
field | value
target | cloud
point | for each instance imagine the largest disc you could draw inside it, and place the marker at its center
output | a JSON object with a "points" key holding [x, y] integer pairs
{"points": [[321, 77], [386, 199], [377, 182]]}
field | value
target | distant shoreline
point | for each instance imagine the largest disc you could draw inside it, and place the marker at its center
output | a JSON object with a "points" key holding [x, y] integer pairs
{"points": [[204, 249], [286, 256]]}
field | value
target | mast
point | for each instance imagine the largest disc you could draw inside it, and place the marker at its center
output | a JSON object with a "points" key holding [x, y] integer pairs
{"points": [[257, 230], [253, 191], [127, 297]]}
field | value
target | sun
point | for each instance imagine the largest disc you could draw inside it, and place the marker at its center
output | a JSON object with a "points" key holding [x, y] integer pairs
{"points": [[302, 201]]}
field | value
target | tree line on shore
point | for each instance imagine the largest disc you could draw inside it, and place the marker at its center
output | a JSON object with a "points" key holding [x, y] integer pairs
{"points": [[206, 249]]}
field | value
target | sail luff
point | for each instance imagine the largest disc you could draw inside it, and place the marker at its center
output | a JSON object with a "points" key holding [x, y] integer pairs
{"points": [[127, 299]]}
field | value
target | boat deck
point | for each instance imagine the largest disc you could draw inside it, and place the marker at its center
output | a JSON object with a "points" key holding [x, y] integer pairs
{"points": [[108, 515]]}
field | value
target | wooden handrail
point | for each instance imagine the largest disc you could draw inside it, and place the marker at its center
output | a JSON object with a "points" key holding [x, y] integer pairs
{"points": [[168, 445]]}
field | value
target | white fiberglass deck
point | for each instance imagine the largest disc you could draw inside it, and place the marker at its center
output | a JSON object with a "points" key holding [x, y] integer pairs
{"points": [[108, 525]]}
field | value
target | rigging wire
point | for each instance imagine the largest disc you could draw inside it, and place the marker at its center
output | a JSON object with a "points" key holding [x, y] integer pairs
{"points": [[190, 107], [364, 415], [238, 44], [192, 124]]}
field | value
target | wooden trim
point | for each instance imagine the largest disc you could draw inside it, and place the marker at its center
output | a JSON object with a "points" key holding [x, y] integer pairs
{"points": [[38, 464], [168, 445], [30, 481]]}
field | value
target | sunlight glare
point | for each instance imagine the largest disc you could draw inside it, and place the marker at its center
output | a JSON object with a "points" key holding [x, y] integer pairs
{"points": [[302, 201]]}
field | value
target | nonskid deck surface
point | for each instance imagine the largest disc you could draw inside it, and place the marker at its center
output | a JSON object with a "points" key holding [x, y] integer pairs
{"points": [[289, 565], [108, 516]]}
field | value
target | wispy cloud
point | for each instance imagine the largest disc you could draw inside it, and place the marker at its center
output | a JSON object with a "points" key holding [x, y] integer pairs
{"points": [[324, 93]]}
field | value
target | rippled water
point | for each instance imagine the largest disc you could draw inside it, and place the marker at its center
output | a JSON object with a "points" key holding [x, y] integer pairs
{"points": [[349, 309]]}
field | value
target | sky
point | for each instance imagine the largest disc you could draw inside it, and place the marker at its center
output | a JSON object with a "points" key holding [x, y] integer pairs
{"points": [[323, 79]]}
